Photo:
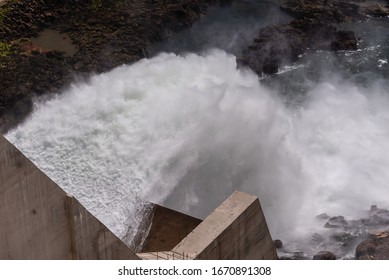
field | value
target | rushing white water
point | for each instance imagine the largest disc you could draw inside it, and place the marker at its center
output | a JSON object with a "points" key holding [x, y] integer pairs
{"points": [[187, 131]]}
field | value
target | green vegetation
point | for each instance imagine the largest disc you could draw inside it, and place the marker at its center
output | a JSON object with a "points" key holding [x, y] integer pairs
{"points": [[5, 9], [96, 4], [5, 49]]}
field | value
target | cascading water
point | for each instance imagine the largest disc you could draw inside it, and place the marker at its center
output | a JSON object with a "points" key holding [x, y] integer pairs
{"points": [[185, 131]]}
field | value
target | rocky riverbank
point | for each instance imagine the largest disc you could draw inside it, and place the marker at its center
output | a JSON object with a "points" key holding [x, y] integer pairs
{"points": [[314, 28], [105, 34], [365, 238]]}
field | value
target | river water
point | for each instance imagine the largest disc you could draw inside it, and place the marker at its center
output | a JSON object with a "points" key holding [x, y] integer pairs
{"points": [[186, 129]]}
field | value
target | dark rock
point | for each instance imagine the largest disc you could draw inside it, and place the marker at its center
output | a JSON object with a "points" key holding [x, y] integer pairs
{"points": [[375, 220], [345, 239], [22, 107], [322, 217], [311, 30], [376, 10], [278, 244], [116, 33], [324, 255], [298, 255], [345, 40], [273, 46], [374, 210], [374, 248], [270, 68], [378, 218], [326, 11], [338, 220], [328, 225], [342, 236], [317, 238]]}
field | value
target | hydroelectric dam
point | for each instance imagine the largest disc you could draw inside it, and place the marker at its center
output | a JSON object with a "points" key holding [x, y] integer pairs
{"points": [[41, 221], [148, 115]]}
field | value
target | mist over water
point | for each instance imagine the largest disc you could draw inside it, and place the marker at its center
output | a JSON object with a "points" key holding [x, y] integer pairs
{"points": [[186, 131]]}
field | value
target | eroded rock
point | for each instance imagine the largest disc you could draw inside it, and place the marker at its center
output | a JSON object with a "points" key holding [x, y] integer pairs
{"points": [[105, 33], [324, 255], [325, 11], [313, 29], [278, 244], [282, 44], [374, 248]]}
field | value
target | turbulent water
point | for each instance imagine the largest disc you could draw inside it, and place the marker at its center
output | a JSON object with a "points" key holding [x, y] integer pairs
{"points": [[186, 131]]}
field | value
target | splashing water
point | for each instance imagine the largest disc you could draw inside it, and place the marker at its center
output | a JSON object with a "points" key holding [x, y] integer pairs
{"points": [[186, 131]]}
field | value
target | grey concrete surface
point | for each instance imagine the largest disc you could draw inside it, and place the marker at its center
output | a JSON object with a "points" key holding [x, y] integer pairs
{"points": [[38, 220], [236, 230]]}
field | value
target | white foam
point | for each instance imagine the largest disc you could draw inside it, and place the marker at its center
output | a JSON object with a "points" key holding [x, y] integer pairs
{"points": [[381, 62], [187, 131]]}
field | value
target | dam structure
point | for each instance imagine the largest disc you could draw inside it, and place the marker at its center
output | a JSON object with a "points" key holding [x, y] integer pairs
{"points": [[39, 220]]}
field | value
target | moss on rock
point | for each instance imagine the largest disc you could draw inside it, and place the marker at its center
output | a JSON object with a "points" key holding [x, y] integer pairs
{"points": [[5, 49]]}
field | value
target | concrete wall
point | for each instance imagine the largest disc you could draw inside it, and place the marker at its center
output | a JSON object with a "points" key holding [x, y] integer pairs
{"points": [[236, 230], [38, 220], [168, 228]]}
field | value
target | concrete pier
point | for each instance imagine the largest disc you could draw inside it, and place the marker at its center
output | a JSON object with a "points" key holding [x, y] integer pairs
{"points": [[38, 220], [237, 230]]}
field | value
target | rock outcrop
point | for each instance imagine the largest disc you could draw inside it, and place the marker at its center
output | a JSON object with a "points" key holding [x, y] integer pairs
{"points": [[106, 33], [324, 255], [312, 29], [376, 247], [364, 238], [330, 11], [276, 45], [324, 11]]}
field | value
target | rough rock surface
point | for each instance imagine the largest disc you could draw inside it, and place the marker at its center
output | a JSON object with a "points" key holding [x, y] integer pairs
{"points": [[107, 33], [278, 244], [329, 11], [312, 29], [374, 248], [324, 255], [280, 44], [325, 11], [365, 238]]}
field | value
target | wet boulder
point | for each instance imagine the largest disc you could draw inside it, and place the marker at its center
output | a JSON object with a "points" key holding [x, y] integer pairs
{"points": [[317, 238], [282, 44], [273, 46], [376, 10], [278, 244], [270, 68], [324, 255], [376, 247], [322, 217], [344, 239], [327, 11], [344, 40], [374, 210], [336, 222]]}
